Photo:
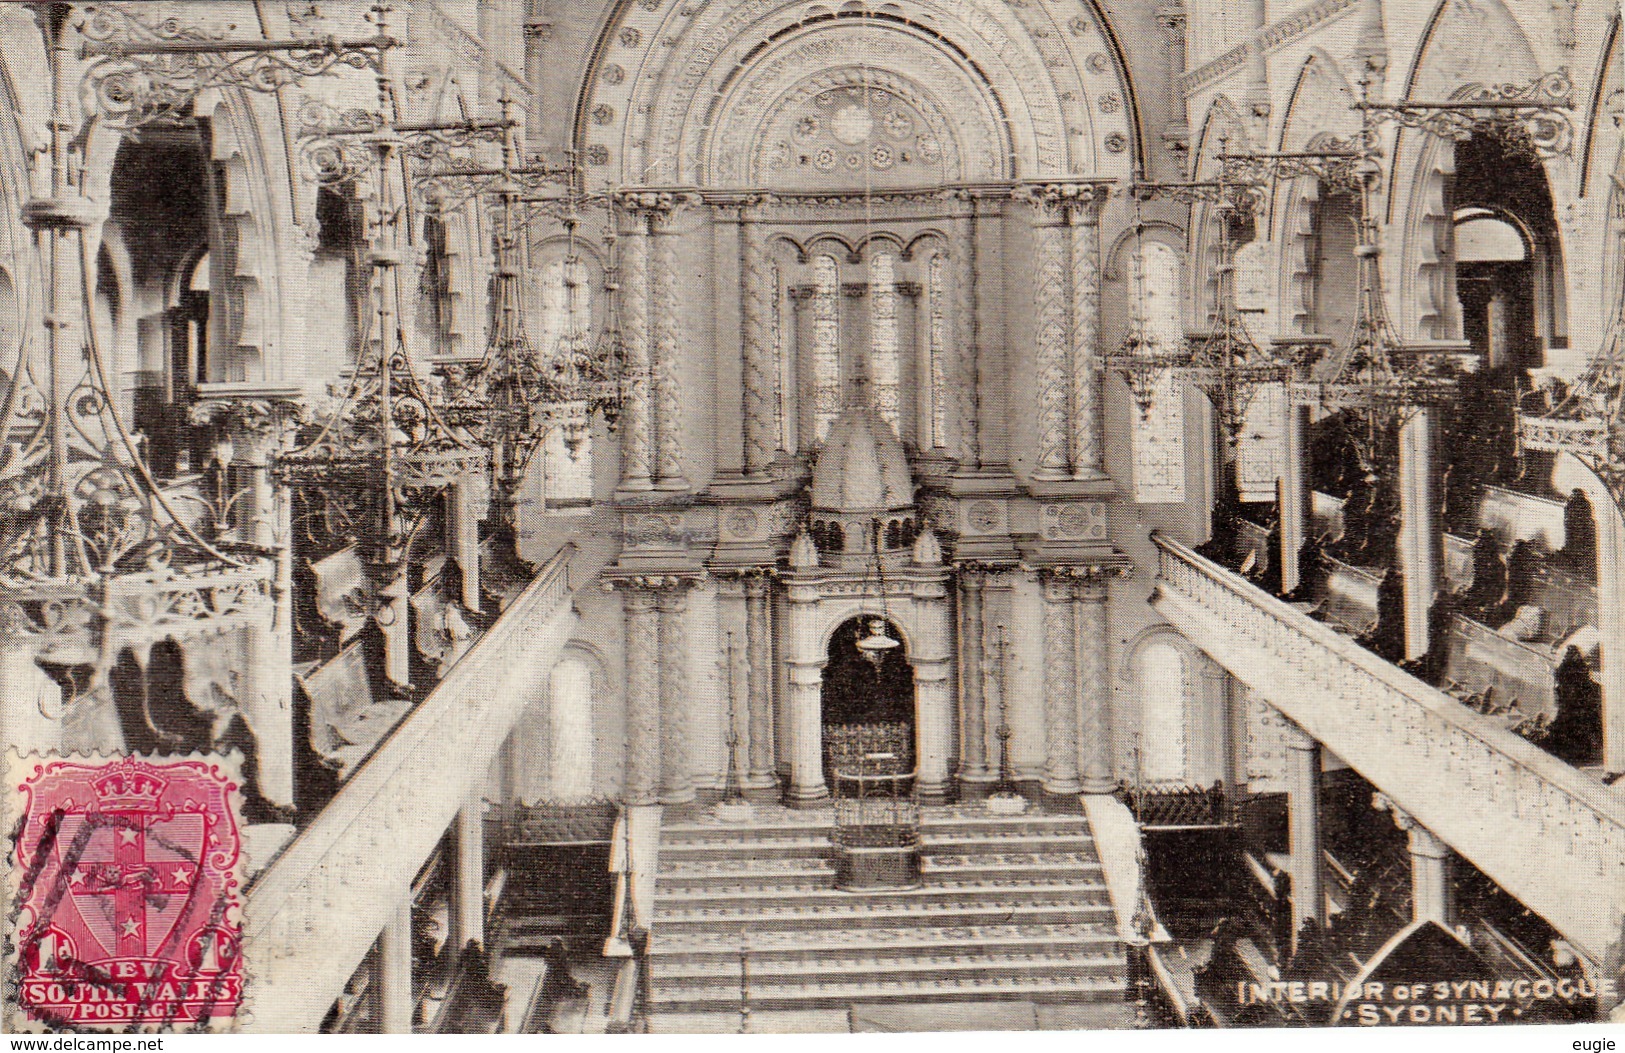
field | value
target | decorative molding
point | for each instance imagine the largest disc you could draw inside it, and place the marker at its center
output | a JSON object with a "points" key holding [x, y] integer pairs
{"points": [[1273, 36]]}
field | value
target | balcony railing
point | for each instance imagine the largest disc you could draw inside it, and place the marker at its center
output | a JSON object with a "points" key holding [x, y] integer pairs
{"points": [[1543, 831], [314, 912]]}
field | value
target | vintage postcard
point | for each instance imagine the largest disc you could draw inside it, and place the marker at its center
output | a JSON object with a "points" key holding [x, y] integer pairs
{"points": [[803, 516]]}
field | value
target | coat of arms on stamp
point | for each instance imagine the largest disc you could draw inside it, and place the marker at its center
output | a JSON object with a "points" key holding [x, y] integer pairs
{"points": [[125, 890]]}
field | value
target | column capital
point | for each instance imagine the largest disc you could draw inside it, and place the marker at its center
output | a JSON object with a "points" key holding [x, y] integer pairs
{"points": [[1069, 202], [756, 580], [262, 419], [651, 584], [1087, 581], [1423, 842], [659, 204], [972, 574]]}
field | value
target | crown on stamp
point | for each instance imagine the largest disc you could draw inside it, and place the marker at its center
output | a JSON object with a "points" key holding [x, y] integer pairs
{"points": [[130, 790]]}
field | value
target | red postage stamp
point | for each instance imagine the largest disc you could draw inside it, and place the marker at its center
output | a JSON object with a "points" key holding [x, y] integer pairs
{"points": [[125, 892]]}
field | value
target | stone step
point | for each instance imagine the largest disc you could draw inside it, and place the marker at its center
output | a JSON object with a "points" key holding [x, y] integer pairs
{"points": [[1049, 868], [812, 896], [765, 978], [879, 912], [721, 944], [791, 826], [933, 989], [932, 843]]}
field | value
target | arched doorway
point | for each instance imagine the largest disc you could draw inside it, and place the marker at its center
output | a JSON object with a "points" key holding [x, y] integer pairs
{"points": [[868, 708]]}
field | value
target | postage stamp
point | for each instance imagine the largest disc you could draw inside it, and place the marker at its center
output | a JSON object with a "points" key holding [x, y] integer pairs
{"points": [[124, 888]]}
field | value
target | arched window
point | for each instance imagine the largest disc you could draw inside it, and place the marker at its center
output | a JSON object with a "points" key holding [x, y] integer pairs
{"points": [[1163, 682], [885, 358], [566, 321], [936, 291], [570, 735], [826, 344], [1159, 435]]}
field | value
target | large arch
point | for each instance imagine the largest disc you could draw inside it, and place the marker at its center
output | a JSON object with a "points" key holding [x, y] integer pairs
{"points": [[1320, 110], [667, 84], [1421, 282]]}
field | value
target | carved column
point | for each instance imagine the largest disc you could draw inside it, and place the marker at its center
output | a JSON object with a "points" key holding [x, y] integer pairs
{"points": [[636, 413], [761, 371], [468, 892], [677, 778], [1094, 688], [759, 683], [1303, 827], [668, 366], [1432, 881], [1050, 265], [1060, 686], [973, 761], [642, 695], [967, 381], [394, 964], [1085, 408]]}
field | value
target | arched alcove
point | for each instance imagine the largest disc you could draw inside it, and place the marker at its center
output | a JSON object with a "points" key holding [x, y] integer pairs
{"points": [[1180, 710], [739, 94]]}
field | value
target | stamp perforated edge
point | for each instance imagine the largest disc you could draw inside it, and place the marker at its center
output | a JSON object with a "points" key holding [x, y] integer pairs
{"points": [[16, 766]]}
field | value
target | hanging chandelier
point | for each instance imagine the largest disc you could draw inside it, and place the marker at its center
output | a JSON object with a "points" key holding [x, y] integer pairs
{"points": [[516, 395], [1587, 421], [1225, 362], [1373, 374], [1144, 359], [99, 560]]}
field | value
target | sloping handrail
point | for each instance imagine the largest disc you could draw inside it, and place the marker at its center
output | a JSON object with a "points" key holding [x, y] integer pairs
{"points": [[313, 912], [1512, 808]]}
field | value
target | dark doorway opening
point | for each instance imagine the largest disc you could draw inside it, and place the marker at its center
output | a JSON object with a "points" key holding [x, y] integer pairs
{"points": [[868, 699]]}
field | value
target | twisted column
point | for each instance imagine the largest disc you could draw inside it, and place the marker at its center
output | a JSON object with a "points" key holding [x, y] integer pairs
{"points": [[1085, 261], [761, 403], [1060, 686], [642, 695], [967, 386], [759, 682], [668, 380], [1094, 691], [973, 764], [1050, 307], [636, 417], [677, 777]]}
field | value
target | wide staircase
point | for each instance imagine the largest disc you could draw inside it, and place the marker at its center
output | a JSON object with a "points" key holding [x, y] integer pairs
{"points": [[1011, 909]]}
